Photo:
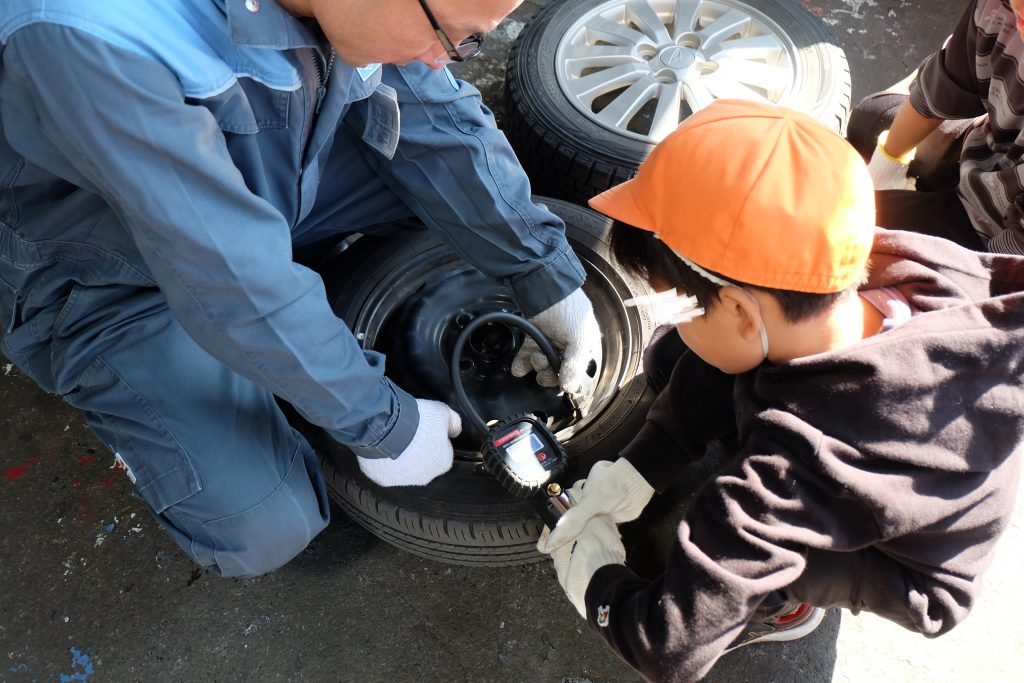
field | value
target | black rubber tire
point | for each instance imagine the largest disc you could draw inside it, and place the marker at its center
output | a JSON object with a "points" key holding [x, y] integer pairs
{"points": [[465, 517], [572, 158]]}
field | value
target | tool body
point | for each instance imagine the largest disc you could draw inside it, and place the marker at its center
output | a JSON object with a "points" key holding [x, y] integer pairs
{"points": [[519, 451]]}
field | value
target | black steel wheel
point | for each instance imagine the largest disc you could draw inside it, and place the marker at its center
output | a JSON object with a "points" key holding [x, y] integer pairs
{"points": [[409, 297], [593, 85]]}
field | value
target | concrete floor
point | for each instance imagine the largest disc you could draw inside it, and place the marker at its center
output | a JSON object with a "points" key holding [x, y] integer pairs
{"points": [[92, 590]]}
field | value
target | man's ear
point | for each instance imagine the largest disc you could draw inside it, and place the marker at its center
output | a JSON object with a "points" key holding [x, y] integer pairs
{"points": [[743, 311]]}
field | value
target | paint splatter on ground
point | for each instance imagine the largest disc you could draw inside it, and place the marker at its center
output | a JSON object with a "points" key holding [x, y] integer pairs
{"points": [[21, 470], [81, 666]]}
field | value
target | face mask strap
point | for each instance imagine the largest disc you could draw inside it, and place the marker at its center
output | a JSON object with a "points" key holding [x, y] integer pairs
{"points": [[725, 283], [764, 332]]}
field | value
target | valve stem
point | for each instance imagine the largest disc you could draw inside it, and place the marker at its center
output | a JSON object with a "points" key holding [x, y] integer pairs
{"points": [[558, 498]]}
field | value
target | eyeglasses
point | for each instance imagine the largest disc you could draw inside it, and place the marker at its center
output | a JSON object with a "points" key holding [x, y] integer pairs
{"points": [[466, 50]]}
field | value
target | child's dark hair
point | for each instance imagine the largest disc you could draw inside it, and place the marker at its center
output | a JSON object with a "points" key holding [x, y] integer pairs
{"points": [[644, 255]]}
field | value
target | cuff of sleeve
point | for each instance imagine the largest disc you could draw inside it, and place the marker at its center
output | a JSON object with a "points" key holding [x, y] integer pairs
{"points": [[398, 433], [918, 101], [1006, 242], [600, 588], [541, 289], [649, 454]]}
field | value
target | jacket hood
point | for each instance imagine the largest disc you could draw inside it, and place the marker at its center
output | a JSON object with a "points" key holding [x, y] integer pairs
{"points": [[950, 376]]}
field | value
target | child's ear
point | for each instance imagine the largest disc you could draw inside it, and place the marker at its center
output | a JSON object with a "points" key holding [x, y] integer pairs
{"points": [[743, 311]]}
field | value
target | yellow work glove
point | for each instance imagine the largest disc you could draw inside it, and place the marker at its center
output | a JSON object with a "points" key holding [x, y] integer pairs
{"points": [[889, 172]]}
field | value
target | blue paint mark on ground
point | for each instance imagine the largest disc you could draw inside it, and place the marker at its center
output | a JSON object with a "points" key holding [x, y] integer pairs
{"points": [[79, 660]]}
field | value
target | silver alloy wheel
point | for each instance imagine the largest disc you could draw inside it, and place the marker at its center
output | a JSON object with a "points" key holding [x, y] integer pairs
{"points": [[639, 67]]}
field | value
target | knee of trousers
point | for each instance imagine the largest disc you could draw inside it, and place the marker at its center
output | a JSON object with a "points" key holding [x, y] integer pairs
{"points": [[268, 534], [869, 118]]}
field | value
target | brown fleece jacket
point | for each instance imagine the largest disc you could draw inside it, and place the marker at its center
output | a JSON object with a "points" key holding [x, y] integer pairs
{"points": [[875, 477]]}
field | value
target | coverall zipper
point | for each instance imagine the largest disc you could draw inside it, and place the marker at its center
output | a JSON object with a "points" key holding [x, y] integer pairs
{"points": [[322, 76]]}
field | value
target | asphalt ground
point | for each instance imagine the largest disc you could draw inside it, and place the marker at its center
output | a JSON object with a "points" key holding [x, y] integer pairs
{"points": [[91, 589]]}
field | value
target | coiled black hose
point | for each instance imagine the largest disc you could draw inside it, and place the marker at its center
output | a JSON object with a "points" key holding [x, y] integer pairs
{"points": [[460, 342]]}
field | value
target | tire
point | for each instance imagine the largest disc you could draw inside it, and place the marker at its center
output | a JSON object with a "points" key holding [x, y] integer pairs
{"points": [[569, 141], [408, 297]]}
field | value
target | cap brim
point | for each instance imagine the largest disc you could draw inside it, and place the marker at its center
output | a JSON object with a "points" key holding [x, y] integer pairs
{"points": [[620, 203]]}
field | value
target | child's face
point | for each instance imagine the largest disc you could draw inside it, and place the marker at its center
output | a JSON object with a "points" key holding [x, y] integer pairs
{"points": [[727, 336]]}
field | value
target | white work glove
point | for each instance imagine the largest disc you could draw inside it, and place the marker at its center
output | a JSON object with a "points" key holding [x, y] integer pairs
{"points": [[613, 491], [427, 456], [598, 545], [571, 326], [889, 173]]}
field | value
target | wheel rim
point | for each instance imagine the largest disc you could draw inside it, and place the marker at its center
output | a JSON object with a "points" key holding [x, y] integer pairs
{"points": [[414, 314], [632, 67]]}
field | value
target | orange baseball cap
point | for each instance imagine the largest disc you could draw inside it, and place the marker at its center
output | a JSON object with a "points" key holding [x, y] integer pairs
{"points": [[761, 194]]}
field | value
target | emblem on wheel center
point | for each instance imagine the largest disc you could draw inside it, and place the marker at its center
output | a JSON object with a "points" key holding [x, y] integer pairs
{"points": [[677, 57]]}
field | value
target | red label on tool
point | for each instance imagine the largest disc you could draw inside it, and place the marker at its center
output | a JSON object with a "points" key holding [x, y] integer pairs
{"points": [[502, 440]]}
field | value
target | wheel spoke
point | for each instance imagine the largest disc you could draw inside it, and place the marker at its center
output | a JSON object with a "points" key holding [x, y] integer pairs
{"points": [[697, 94], [686, 15], [666, 114], [608, 31], [644, 16], [638, 67], [624, 107], [772, 79], [721, 28], [728, 88], [582, 57], [765, 47], [588, 87]]}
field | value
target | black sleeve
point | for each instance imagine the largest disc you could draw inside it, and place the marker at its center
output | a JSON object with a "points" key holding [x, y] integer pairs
{"points": [[695, 408]]}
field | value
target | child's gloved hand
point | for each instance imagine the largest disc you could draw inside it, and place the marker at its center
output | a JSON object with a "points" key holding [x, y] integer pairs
{"points": [[888, 172], [614, 491], [427, 456], [571, 326], [598, 545]]}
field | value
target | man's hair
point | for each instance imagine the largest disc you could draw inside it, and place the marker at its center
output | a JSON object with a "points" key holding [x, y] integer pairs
{"points": [[643, 255]]}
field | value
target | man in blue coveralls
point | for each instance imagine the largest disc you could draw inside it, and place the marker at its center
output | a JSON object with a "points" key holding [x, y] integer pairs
{"points": [[161, 159]]}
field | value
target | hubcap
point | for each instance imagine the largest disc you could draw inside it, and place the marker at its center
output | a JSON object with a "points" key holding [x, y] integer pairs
{"points": [[639, 67], [677, 58]]}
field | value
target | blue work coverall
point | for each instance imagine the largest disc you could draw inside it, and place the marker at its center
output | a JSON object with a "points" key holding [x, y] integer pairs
{"points": [[159, 162]]}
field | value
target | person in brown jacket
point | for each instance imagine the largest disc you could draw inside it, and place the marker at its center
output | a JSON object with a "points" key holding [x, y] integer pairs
{"points": [[869, 380], [956, 137]]}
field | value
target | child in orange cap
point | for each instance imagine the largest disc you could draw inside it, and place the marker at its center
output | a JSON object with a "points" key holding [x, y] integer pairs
{"points": [[870, 382]]}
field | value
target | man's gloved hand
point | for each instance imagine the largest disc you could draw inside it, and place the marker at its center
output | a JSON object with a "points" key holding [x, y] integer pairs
{"points": [[613, 491], [427, 456], [888, 172], [571, 326], [599, 544]]}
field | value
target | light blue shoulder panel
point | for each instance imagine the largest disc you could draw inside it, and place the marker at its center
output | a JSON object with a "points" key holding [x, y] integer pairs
{"points": [[189, 37]]}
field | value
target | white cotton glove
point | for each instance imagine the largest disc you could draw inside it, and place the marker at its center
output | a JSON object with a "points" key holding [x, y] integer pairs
{"points": [[598, 545], [889, 173], [613, 491], [571, 326], [427, 456]]}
